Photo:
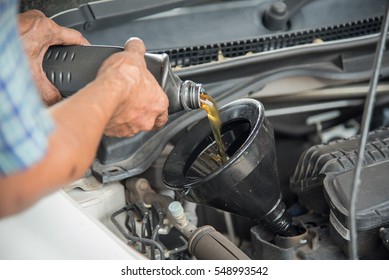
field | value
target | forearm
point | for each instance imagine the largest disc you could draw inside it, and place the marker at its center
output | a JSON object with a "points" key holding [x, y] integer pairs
{"points": [[80, 122]]}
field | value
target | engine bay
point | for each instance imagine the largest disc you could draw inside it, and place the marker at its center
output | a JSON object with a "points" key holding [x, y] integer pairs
{"points": [[290, 80]]}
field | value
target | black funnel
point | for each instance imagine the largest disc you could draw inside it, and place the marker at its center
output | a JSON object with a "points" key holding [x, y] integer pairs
{"points": [[247, 184]]}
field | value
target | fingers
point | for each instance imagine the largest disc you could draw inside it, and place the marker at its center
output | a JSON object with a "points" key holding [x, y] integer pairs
{"points": [[161, 121], [119, 131], [144, 105], [136, 46], [37, 26], [129, 130], [70, 36], [38, 33], [49, 93]]}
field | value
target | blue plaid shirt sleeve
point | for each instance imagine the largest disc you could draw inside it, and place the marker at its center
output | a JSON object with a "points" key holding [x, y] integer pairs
{"points": [[24, 121]]}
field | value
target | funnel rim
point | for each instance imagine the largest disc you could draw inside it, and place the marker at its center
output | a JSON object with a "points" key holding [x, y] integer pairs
{"points": [[189, 183], [255, 128]]}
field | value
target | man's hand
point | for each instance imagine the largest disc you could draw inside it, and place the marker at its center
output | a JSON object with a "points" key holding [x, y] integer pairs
{"points": [[38, 33], [143, 104]]}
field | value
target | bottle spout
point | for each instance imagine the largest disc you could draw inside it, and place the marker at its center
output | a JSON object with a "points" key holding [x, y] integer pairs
{"points": [[190, 95]]}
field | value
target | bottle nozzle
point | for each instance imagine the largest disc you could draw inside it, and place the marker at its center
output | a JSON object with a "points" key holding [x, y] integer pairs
{"points": [[190, 95]]}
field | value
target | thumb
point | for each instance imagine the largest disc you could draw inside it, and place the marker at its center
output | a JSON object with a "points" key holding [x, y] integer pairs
{"points": [[135, 45]]}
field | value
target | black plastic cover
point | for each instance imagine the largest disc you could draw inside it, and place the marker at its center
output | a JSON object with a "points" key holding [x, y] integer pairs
{"points": [[198, 34], [372, 212], [332, 159]]}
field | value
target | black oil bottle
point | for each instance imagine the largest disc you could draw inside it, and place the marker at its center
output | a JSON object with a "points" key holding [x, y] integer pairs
{"points": [[70, 68]]}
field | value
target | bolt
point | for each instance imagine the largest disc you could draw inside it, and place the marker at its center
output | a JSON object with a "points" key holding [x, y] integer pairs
{"points": [[278, 8]]}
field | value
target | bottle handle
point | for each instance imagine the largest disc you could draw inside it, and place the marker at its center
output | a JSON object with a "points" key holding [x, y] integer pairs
{"points": [[70, 68]]}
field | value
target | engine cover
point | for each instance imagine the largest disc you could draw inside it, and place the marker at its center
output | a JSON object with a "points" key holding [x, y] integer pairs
{"points": [[372, 208]]}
